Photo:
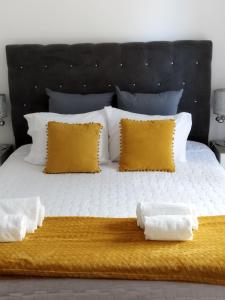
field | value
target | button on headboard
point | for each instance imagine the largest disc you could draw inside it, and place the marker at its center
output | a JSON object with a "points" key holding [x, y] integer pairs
{"points": [[96, 68]]}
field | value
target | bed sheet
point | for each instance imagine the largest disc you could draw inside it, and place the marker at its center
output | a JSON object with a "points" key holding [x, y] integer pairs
{"points": [[200, 181]]}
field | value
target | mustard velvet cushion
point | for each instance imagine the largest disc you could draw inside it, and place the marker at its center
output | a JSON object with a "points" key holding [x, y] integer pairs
{"points": [[147, 145], [73, 148]]}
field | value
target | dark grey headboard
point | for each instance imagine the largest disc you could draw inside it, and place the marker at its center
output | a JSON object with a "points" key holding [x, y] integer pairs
{"points": [[95, 68]]}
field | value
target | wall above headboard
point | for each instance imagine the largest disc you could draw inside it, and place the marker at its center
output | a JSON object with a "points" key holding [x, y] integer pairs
{"points": [[95, 68]]}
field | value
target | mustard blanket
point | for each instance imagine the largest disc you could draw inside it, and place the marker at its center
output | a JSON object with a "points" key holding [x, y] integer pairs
{"points": [[115, 248]]}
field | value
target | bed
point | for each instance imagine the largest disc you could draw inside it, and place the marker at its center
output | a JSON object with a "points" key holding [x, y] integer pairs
{"points": [[88, 68]]}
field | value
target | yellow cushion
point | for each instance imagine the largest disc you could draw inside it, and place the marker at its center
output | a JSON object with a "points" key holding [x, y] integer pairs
{"points": [[147, 145], [73, 148]]}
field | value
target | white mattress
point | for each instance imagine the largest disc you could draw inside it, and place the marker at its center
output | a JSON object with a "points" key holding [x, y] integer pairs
{"points": [[200, 181]]}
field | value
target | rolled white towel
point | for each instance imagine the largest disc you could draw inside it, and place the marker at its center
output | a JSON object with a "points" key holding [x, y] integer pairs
{"points": [[147, 209], [168, 228], [30, 207], [12, 228]]}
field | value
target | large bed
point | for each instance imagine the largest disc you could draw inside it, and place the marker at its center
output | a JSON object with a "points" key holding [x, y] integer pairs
{"points": [[87, 68]]}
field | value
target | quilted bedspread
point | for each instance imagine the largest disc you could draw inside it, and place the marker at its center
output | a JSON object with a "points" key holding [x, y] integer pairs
{"points": [[88, 247]]}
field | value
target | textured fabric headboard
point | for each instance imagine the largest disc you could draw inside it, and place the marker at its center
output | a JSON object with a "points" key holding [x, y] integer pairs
{"points": [[95, 68]]}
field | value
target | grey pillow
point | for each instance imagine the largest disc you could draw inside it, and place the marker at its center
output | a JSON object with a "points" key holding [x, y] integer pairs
{"points": [[64, 103], [165, 103]]}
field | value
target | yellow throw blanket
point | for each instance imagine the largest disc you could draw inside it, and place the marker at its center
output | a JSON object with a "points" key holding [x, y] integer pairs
{"points": [[115, 248]]}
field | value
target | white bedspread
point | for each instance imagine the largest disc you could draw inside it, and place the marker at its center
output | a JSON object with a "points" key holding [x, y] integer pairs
{"points": [[200, 181]]}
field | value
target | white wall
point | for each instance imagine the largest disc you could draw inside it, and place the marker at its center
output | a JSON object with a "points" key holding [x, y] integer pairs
{"points": [[73, 21]]}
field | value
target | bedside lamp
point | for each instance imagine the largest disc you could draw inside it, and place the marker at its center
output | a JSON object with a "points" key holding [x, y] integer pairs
{"points": [[219, 109], [219, 105], [3, 110]]}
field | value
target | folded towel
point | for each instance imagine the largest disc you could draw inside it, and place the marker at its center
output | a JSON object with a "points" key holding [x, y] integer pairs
{"points": [[146, 209], [168, 228], [12, 228], [29, 207]]}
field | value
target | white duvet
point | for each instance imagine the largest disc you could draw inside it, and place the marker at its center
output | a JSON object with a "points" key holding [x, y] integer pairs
{"points": [[200, 181]]}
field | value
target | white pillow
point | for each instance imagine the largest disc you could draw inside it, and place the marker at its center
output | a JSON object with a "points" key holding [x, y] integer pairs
{"points": [[37, 129], [183, 127]]}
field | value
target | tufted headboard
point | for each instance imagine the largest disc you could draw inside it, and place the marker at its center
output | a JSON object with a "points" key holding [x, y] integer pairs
{"points": [[95, 68]]}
